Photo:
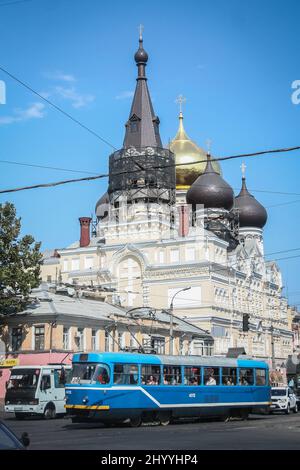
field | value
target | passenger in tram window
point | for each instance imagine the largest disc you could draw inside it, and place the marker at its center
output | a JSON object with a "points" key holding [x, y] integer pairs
{"points": [[211, 381], [102, 377], [151, 380]]}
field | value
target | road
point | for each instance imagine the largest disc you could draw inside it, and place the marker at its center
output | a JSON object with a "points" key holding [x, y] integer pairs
{"points": [[258, 432]]}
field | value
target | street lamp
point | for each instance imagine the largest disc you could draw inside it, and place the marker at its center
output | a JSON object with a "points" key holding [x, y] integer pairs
{"points": [[171, 317]]}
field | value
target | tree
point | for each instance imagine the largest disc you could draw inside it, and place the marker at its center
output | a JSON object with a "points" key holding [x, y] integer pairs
{"points": [[20, 261]]}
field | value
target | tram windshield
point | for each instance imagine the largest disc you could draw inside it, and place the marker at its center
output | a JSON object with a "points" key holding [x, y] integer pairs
{"points": [[91, 373]]}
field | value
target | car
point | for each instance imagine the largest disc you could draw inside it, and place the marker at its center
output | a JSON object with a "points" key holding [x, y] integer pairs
{"points": [[9, 441], [283, 399]]}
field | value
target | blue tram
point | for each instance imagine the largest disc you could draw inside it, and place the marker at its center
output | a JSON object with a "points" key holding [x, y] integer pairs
{"points": [[128, 387]]}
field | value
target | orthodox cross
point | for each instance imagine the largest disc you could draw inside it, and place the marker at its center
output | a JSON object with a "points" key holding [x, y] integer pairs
{"points": [[243, 168], [208, 145], [141, 29], [180, 100]]}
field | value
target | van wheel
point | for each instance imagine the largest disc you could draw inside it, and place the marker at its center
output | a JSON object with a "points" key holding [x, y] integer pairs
{"points": [[295, 410], [49, 412], [288, 409]]}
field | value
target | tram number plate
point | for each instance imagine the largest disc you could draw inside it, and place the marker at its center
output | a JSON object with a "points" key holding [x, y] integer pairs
{"points": [[211, 398]]}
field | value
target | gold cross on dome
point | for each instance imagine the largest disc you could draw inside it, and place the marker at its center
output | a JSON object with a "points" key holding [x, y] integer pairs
{"points": [[180, 100], [243, 168], [208, 145], [141, 29]]}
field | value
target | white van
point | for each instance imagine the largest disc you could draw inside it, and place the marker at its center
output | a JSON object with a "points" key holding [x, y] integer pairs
{"points": [[283, 399], [37, 390]]}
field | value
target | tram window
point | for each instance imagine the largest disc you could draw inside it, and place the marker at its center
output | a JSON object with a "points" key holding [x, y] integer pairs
{"points": [[246, 377], [211, 376], [126, 374], [101, 375], [172, 375], [150, 375], [260, 375], [229, 376], [83, 372], [192, 376]]}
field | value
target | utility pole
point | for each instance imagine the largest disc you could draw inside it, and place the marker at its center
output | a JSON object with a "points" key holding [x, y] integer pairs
{"points": [[171, 319], [272, 346]]}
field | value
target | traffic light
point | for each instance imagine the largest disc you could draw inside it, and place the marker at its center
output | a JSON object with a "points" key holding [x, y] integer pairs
{"points": [[245, 322]]}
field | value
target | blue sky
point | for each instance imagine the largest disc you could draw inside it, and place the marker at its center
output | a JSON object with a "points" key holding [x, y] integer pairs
{"points": [[234, 61]]}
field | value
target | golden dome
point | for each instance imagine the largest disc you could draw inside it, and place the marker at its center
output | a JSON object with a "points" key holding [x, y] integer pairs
{"points": [[187, 151]]}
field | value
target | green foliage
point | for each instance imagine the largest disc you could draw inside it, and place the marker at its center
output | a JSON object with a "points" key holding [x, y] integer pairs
{"points": [[20, 261]]}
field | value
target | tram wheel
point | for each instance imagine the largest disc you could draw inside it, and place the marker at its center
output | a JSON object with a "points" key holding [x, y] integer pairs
{"points": [[244, 415], [135, 422], [164, 419]]}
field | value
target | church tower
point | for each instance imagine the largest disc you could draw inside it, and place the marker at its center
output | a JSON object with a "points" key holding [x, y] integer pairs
{"points": [[251, 214], [142, 183]]}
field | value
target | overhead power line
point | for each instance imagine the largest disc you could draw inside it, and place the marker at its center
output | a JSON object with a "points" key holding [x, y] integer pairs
{"points": [[49, 167], [57, 107], [48, 185], [72, 170], [230, 157]]}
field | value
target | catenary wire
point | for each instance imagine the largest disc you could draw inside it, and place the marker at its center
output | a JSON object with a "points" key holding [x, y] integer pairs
{"points": [[58, 183], [58, 108]]}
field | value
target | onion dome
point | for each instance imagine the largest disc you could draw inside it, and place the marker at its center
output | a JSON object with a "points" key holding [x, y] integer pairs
{"points": [[141, 56], [211, 190], [188, 152], [251, 212], [102, 206]]}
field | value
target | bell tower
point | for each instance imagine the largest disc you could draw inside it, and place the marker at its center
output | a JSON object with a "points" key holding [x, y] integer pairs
{"points": [[142, 172]]}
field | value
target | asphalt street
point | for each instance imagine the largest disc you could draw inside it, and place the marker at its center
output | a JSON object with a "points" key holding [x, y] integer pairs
{"points": [[259, 432]]}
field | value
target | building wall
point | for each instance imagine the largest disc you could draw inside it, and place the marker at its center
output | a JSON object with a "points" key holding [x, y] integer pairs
{"points": [[146, 272]]}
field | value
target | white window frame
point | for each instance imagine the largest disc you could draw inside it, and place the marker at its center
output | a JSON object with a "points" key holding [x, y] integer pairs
{"points": [[190, 253], [88, 262], [173, 258], [73, 261]]}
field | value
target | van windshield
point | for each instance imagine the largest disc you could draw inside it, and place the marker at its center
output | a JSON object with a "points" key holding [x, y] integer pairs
{"points": [[88, 372], [23, 379], [278, 392]]}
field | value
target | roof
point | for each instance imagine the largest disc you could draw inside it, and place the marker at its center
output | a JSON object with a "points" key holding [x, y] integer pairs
{"points": [[210, 361], [251, 212], [49, 303], [142, 126]]}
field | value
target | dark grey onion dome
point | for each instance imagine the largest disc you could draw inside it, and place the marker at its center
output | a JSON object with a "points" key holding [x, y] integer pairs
{"points": [[251, 212], [141, 56], [211, 190], [102, 206]]}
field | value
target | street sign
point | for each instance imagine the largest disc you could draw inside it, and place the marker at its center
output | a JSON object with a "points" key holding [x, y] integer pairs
{"points": [[9, 362]]}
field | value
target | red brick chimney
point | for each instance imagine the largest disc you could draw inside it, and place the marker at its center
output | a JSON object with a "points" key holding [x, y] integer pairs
{"points": [[85, 223], [183, 221]]}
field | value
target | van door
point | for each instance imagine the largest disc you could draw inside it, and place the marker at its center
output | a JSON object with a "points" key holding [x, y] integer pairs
{"points": [[59, 390], [45, 395]]}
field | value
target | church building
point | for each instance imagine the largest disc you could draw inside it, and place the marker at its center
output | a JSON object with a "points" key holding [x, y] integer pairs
{"points": [[171, 234]]}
